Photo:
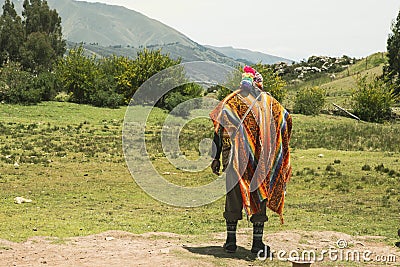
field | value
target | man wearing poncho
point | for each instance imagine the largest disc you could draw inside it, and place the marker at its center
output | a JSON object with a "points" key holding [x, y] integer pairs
{"points": [[252, 132]]}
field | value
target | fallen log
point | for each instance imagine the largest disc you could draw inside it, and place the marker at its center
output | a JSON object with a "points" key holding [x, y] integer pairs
{"points": [[347, 112]]}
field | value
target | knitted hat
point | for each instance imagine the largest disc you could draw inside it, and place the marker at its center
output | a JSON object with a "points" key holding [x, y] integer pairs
{"points": [[247, 77], [248, 69]]}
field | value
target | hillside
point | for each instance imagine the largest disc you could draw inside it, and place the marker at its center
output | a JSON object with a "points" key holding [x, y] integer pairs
{"points": [[176, 50], [339, 85], [248, 56], [113, 25], [339, 90], [108, 29], [110, 25]]}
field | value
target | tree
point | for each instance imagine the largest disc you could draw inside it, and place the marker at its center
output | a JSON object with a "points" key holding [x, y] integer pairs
{"points": [[37, 54], [372, 100], [393, 47], [11, 34], [273, 83], [42, 29], [310, 101], [16, 85], [149, 62], [87, 80], [112, 81], [146, 64], [77, 74], [181, 94]]}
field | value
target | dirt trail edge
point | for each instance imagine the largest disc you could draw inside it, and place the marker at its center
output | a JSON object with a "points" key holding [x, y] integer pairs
{"points": [[117, 248]]}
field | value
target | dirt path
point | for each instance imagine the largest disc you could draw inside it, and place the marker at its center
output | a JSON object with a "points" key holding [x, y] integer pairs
{"points": [[116, 248]]}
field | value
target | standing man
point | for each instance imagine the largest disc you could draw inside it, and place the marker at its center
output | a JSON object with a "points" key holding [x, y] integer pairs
{"points": [[252, 132]]}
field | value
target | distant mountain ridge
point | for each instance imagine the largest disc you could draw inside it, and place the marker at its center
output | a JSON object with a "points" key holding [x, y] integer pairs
{"points": [[248, 55], [113, 25], [109, 29], [187, 54]]}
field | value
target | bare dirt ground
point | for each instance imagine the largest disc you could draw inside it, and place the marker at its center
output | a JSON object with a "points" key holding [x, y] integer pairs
{"points": [[117, 248]]}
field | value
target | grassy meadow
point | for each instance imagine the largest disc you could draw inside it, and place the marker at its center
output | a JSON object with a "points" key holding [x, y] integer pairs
{"points": [[68, 159]]}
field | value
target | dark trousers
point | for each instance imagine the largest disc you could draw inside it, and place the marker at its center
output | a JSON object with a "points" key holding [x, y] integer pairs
{"points": [[234, 207], [233, 201]]}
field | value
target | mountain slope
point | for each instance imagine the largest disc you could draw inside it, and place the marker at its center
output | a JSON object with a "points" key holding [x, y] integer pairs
{"points": [[113, 25], [186, 53], [248, 55], [108, 29]]}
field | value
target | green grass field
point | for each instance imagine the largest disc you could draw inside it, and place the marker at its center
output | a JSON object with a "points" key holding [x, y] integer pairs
{"points": [[345, 176]]}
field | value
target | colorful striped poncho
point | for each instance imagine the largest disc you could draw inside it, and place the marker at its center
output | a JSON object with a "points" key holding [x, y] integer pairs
{"points": [[260, 156]]}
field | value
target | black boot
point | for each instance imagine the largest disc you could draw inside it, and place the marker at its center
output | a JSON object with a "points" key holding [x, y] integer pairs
{"points": [[398, 243], [230, 244], [258, 246]]}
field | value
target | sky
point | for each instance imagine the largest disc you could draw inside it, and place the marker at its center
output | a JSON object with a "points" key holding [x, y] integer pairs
{"points": [[293, 29]]}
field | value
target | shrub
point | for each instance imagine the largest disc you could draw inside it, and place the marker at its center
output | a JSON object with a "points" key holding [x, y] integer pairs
{"points": [[372, 101], [272, 83], [110, 82], [104, 93], [78, 74], [45, 82], [310, 101], [366, 167], [101, 98], [330, 168], [222, 92], [17, 86], [174, 99], [62, 97]]}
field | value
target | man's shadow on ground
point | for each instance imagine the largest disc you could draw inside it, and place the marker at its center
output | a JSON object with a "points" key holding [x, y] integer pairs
{"points": [[219, 252]]}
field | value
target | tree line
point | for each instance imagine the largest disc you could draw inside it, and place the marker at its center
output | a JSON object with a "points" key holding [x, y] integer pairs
{"points": [[36, 66], [34, 41]]}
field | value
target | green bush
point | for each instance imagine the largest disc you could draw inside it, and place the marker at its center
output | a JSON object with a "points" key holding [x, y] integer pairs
{"points": [[78, 74], [372, 101], [62, 97], [273, 83], [109, 99], [17, 86], [310, 101], [45, 82], [222, 92], [188, 93], [110, 82], [173, 100]]}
